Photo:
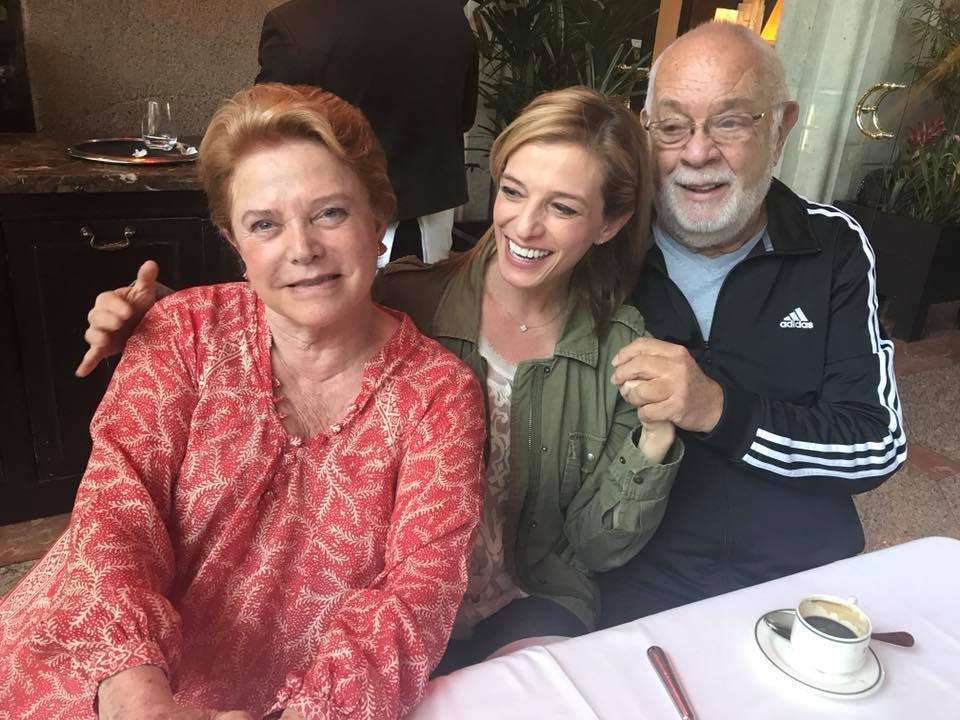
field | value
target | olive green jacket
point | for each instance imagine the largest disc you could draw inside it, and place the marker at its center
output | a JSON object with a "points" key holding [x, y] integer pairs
{"points": [[582, 497]]}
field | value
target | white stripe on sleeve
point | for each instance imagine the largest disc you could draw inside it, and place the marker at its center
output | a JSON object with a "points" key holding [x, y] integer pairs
{"points": [[881, 456]]}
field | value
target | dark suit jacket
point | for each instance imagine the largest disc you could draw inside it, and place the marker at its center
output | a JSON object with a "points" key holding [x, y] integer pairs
{"points": [[411, 66]]}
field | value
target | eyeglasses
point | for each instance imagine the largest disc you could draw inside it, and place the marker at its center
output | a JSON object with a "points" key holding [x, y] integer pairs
{"points": [[725, 129]]}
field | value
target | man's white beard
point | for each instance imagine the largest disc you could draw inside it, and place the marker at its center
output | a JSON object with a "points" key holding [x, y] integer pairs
{"points": [[723, 224]]}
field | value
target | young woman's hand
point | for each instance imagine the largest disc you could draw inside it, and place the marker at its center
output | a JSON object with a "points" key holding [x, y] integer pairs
{"points": [[116, 314], [656, 437]]}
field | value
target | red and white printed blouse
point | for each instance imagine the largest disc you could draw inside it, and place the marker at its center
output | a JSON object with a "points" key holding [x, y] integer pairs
{"points": [[257, 569]]}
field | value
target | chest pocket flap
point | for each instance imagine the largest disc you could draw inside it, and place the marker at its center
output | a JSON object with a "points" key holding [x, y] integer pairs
{"points": [[583, 454]]}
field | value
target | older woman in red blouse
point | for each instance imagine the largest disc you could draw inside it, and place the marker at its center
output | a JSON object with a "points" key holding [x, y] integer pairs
{"points": [[285, 477]]}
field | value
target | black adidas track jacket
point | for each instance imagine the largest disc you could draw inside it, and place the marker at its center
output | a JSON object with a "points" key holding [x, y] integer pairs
{"points": [[811, 413]]}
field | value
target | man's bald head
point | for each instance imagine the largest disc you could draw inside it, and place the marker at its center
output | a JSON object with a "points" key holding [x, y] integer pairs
{"points": [[731, 44]]}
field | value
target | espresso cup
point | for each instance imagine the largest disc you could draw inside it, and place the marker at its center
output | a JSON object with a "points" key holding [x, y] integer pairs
{"points": [[830, 634]]}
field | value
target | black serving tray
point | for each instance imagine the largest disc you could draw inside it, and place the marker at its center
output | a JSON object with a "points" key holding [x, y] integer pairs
{"points": [[120, 151]]}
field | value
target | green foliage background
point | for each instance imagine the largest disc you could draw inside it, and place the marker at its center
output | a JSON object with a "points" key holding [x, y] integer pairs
{"points": [[536, 45], [924, 181]]}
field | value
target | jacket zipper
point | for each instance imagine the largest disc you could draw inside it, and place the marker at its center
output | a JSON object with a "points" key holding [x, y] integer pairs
{"points": [[533, 444], [726, 546], [725, 540], [533, 472]]}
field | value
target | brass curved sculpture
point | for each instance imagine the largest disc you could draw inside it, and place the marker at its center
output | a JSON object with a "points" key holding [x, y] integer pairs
{"points": [[883, 89]]}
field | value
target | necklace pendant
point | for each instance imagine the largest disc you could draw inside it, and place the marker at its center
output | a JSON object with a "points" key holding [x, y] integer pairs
{"points": [[523, 327]]}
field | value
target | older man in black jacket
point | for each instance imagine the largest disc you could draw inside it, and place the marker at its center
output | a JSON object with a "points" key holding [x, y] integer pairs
{"points": [[412, 68], [770, 357]]}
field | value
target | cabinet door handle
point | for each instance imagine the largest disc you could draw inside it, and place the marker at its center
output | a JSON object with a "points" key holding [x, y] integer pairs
{"points": [[124, 242]]}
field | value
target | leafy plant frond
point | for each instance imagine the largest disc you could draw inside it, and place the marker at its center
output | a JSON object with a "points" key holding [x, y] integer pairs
{"points": [[936, 26], [924, 182], [532, 46], [925, 185]]}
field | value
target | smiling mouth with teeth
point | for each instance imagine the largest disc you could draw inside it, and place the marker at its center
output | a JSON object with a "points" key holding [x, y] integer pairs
{"points": [[526, 253]]}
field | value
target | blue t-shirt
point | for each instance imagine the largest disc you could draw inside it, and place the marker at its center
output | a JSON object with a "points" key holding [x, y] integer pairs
{"points": [[699, 277]]}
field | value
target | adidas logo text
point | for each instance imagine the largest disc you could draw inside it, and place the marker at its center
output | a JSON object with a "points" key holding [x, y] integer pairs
{"points": [[788, 323], [796, 319]]}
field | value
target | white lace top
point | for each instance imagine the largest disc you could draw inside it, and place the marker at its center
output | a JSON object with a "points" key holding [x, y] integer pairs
{"points": [[490, 587]]}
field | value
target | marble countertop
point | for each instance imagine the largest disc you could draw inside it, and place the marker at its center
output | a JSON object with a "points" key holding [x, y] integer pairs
{"points": [[35, 163]]}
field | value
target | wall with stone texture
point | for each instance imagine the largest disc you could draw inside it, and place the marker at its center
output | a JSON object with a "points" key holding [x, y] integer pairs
{"points": [[93, 63]]}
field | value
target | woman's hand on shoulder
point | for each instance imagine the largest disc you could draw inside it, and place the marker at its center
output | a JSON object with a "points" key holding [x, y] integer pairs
{"points": [[116, 314]]}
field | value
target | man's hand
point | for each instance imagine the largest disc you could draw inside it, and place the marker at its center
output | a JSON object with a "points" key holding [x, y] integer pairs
{"points": [[116, 314], [665, 383], [143, 693]]}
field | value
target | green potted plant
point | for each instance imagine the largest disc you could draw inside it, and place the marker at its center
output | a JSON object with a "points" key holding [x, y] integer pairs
{"points": [[911, 207], [531, 46]]}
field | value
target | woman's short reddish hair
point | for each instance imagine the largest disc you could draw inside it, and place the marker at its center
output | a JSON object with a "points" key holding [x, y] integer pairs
{"points": [[271, 113]]}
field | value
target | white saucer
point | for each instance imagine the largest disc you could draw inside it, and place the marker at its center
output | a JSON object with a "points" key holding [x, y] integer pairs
{"points": [[866, 681]]}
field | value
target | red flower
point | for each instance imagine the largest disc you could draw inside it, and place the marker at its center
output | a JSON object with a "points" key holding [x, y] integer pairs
{"points": [[926, 131]]}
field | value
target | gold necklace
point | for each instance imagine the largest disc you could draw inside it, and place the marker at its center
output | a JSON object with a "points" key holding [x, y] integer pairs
{"points": [[524, 326]]}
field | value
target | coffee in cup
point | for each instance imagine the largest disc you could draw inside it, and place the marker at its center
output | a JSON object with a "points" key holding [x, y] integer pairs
{"points": [[830, 634]]}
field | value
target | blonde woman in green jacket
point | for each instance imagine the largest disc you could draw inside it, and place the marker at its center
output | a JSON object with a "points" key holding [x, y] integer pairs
{"points": [[576, 484]]}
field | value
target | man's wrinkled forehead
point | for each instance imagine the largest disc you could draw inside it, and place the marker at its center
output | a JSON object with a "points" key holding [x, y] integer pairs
{"points": [[708, 73]]}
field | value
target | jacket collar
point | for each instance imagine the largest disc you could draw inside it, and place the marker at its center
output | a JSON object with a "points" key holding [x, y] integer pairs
{"points": [[788, 228], [458, 314], [788, 222]]}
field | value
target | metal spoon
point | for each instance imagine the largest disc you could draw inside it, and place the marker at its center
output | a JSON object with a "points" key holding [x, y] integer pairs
{"points": [[781, 621]]}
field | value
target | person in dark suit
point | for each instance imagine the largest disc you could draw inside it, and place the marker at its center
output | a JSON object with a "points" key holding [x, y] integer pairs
{"points": [[412, 68]]}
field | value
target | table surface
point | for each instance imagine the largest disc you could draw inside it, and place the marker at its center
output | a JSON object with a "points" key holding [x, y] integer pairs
{"points": [[37, 163], [606, 675]]}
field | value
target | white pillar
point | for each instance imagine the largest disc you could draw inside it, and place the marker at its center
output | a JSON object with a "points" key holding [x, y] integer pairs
{"points": [[832, 52]]}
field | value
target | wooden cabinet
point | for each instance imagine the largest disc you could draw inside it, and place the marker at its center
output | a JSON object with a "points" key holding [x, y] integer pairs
{"points": [[16, 462], [57, 256]]}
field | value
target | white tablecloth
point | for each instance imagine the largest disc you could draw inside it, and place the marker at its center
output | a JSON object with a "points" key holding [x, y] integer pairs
{"points": [[606, 675]]}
